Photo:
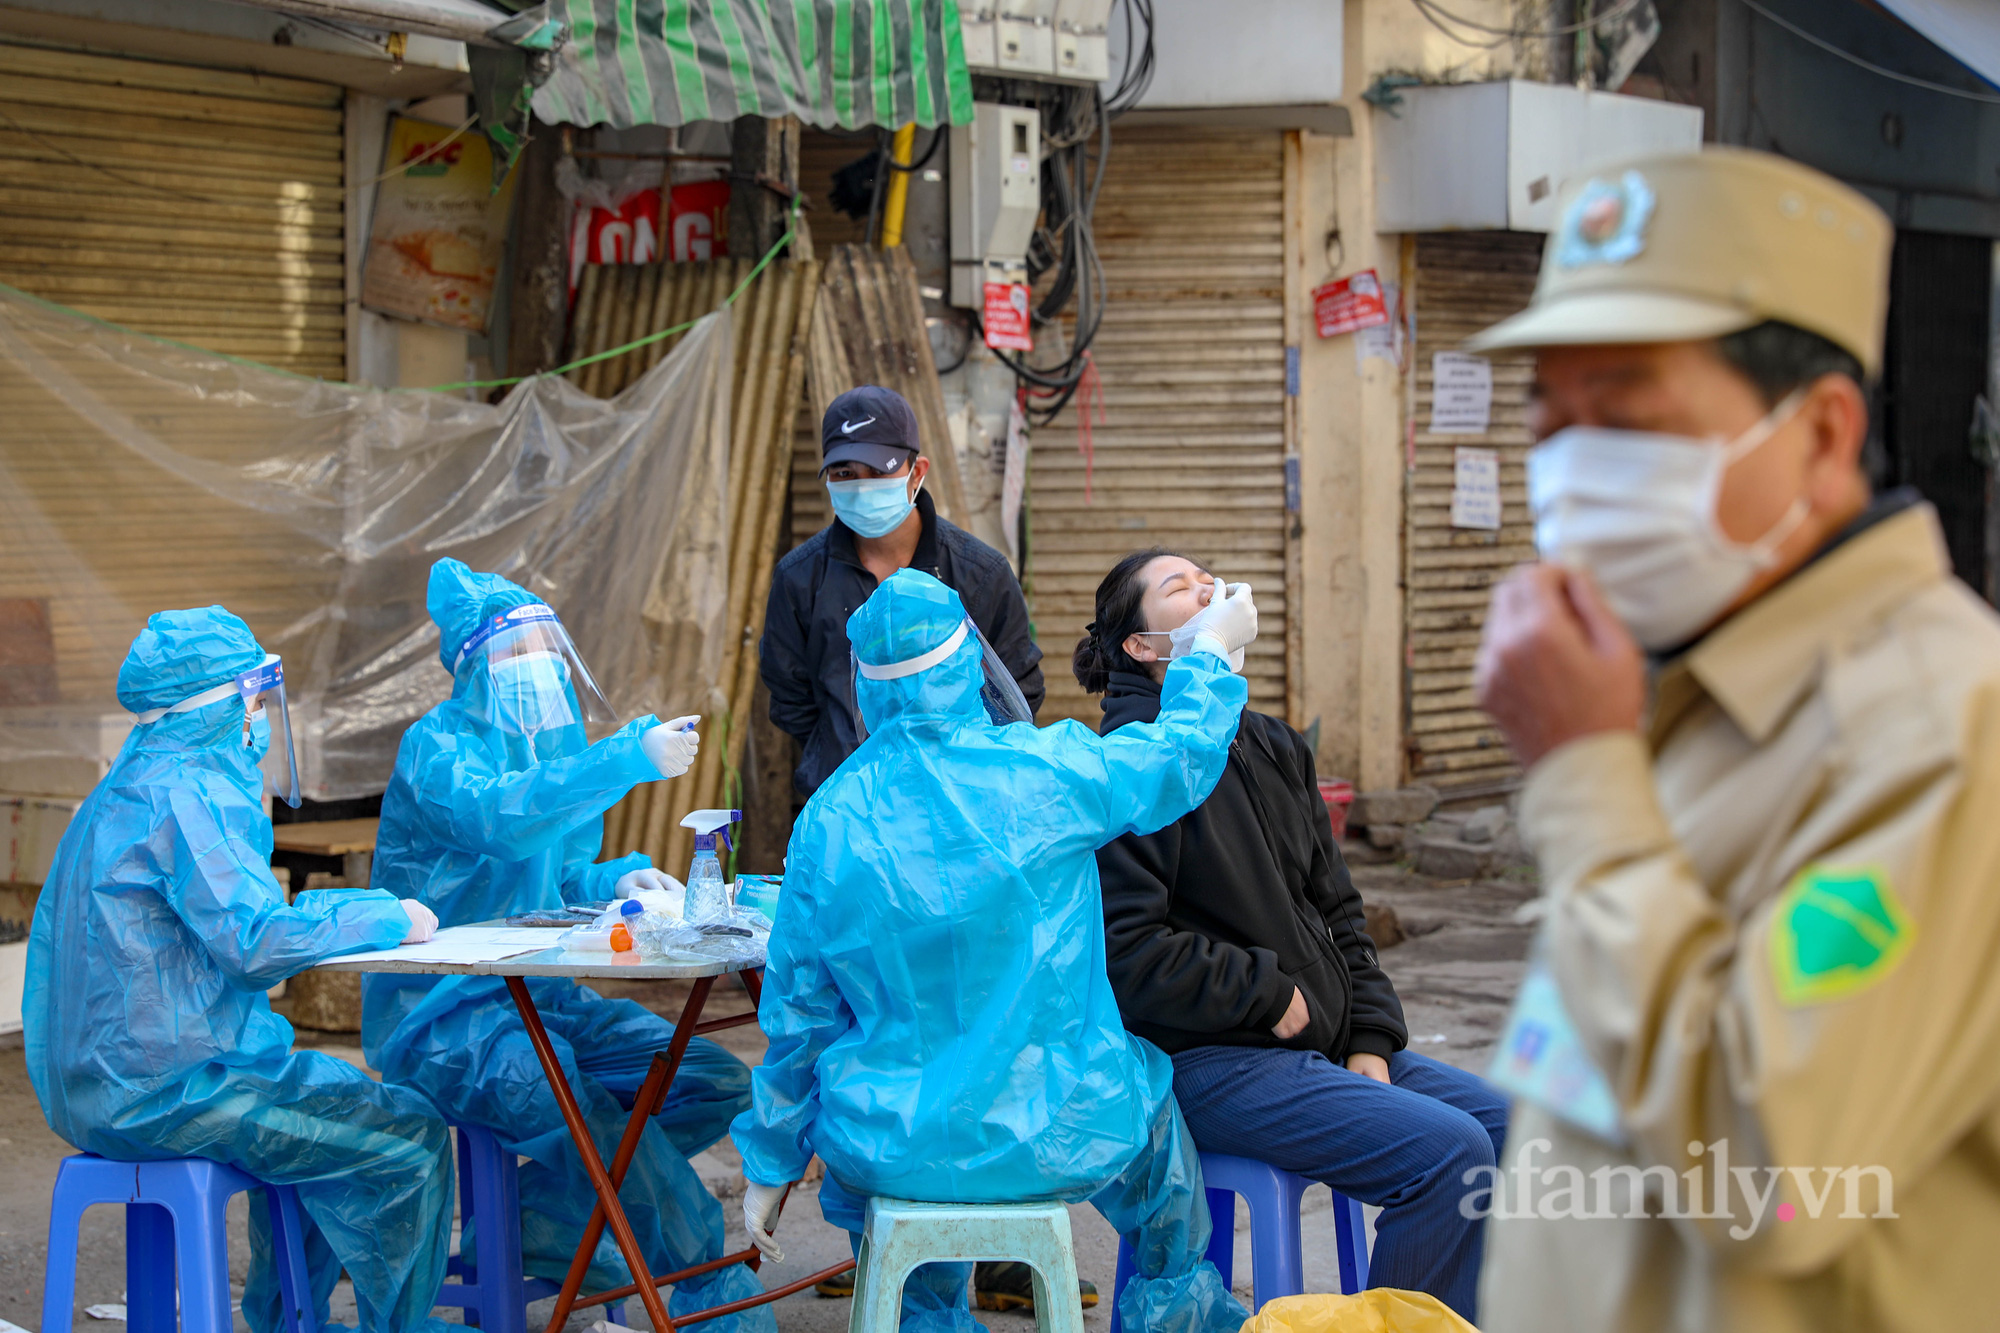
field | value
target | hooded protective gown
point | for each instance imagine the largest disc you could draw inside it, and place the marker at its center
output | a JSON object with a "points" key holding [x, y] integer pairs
{"points": [[479, 823], [941, 1026], [148, 1034]]}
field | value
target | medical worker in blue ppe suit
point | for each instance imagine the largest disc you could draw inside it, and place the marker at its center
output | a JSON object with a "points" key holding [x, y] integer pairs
{"points": [[941, 1026], [157, 933], [496, 807]]}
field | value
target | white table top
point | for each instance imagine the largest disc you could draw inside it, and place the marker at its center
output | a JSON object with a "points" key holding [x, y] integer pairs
{"points": [[470, 951]]}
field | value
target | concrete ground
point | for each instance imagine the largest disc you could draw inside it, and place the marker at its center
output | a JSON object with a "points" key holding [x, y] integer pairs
{"points": [[1456, 974]]}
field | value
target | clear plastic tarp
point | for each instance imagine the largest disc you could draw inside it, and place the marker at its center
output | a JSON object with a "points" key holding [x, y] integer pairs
{"points": [[137, 475]]}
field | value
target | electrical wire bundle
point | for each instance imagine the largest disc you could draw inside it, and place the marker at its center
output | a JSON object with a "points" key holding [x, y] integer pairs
{"points": [[1063, 264]]}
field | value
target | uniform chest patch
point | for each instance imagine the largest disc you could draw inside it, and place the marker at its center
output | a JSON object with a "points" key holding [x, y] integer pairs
{"points": [[1837, 930]]}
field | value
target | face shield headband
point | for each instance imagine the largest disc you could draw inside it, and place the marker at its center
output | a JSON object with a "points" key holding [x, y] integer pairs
{"points": [[257, 687], [998, 691]]}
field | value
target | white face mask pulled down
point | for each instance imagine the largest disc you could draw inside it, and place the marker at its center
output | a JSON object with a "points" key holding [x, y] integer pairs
{"points": [[1636, 510]]}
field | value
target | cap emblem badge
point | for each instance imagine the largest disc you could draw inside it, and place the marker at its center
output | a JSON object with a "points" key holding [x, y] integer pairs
{"points": [[1606, 223]]}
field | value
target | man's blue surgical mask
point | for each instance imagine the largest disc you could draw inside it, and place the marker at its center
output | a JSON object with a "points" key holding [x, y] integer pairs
{"points": [[874, 507], [530, 693]]}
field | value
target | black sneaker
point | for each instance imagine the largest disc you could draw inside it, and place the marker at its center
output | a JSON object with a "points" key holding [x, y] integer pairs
{"points": [[1011, 1286], [839, 1287]]}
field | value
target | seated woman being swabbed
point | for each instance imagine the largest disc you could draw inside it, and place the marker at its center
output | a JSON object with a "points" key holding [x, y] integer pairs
{"points": [[941, 1026], [1235, 942]]}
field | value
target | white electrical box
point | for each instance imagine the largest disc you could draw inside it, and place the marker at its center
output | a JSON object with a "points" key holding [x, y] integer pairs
{"points": [[996, 193], [1037, 39], [1492, 156], [1083, 50]]}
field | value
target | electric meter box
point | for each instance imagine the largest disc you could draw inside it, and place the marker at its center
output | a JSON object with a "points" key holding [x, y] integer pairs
{"points": [[996, 193]]}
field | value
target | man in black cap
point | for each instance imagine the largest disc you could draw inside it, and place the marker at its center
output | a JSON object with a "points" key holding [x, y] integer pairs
{"points": [[874, 469]]}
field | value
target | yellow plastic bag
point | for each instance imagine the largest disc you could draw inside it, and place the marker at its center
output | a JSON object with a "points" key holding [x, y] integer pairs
{"points": [[1376, 1310]]}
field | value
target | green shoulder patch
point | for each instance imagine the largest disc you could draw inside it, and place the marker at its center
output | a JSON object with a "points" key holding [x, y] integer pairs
{"points": [[1836, 931]]}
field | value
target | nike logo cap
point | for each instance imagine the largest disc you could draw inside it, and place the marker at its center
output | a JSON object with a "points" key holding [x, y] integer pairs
{"points": [[869, 425]]}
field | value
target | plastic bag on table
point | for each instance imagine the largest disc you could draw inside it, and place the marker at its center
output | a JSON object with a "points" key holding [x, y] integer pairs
{"points": [[669, 939], [1377, 1310]]}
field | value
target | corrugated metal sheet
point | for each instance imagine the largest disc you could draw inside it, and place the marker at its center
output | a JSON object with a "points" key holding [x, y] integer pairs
{"points": [[197, 204], [620, 302], [1190, 453], [1463, 282], [869, 329]]}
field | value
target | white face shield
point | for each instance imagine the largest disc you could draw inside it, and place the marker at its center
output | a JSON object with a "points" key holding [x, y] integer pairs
{"points": [[998, 691], [535, 678], [258, 688]]}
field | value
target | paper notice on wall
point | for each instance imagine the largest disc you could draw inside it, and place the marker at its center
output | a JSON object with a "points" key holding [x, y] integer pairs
{"points": [[1461, 394], [1386, 340], [1475, 488], [1014, 481], [1348, 304]]}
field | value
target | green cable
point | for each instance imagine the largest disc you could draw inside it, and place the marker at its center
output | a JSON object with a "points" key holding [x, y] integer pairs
{"points": [[791, 230]]}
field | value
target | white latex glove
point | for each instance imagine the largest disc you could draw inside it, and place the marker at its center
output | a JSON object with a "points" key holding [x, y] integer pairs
{"points": [[672, 745], [1226, 626], [423, 921], [760, 1217], [632, 881]]}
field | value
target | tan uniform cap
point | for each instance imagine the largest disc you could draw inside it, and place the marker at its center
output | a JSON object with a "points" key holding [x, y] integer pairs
{"points": [[1680, 246]]}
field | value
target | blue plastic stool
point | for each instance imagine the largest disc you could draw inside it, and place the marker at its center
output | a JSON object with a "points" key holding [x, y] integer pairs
{"points": [[492, 1291], [176, 1242], [1277, 1255], [899, 1236]]}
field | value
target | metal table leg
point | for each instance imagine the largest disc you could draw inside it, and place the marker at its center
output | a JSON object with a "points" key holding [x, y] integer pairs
{"points": [[586, 1147], [649, 1102]]}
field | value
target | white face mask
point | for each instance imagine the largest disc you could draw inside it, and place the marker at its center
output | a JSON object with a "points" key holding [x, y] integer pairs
{"points": [[1637, 511]]}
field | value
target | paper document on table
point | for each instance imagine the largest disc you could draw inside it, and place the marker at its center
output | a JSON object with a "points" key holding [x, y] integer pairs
{"points": [[466, 944]]}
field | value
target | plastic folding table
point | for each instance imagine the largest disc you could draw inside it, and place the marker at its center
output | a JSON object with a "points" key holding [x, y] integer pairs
{"points": [[471, 951]]}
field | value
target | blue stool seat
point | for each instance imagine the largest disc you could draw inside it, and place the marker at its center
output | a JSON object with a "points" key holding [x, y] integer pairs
{"points": [[900, 1235], [1277, 1255], [176, 1242], [492, 1291]]}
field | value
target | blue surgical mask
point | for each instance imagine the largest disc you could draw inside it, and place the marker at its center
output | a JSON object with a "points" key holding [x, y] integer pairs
{"points": [[874, 507], [258, 742], [531, 694]]}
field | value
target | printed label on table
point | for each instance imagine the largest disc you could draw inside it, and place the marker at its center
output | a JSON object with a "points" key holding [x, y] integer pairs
{"points": [[1461, 394], [1006, 317], [1475, 488], [1350, 303]]}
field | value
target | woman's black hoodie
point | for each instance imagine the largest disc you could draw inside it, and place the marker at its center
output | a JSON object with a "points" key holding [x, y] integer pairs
{"points": [[1212, 921]]}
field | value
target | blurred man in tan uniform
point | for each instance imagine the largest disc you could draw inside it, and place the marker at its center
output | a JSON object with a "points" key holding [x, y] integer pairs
{"points": [[1761, 724]]}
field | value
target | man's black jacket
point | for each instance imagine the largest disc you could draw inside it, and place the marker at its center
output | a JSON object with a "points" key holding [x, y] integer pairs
{"points": [[1212, 921], [804, 655]]}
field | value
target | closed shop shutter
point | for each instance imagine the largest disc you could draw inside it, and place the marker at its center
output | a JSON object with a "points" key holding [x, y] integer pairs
{"points": [[1464, 281], [198, 204], [1190, 451]]}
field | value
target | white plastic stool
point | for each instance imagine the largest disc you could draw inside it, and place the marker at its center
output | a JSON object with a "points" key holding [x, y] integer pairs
{"points": [[900, 1236]]}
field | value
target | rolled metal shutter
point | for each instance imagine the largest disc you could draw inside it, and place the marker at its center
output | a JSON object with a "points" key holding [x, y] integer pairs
{"points": [[1190, 451], [198, 204], [1464, 281]]}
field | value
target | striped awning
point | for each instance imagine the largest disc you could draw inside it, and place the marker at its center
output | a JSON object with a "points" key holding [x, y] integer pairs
{"points": [[831, 63]]}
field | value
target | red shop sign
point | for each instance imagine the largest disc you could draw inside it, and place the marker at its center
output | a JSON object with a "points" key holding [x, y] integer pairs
{"points": [[1350, 303]]}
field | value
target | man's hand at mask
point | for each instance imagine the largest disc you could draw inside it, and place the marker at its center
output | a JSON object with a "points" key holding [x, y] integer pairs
{"points": [[1555, 664]]}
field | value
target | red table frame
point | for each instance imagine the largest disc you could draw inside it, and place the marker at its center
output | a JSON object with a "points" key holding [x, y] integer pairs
{"points": [[652, 1097]]}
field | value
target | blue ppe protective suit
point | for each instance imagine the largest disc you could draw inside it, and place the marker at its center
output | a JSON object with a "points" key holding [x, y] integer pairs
{"points": [[148, 1032], [941, 1026], [481, 821]]}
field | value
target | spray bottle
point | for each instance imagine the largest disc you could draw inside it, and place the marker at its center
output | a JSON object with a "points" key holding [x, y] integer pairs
{"points": [[706, 899]]}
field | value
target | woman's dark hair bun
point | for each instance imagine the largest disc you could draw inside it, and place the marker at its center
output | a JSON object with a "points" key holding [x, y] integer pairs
{"points": [[1092, 671]]}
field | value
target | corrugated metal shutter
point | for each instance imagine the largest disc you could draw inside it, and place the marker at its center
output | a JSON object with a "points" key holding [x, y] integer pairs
{"points": [[198, 204], [1190, 453], [821, 153], [1464, 281]]}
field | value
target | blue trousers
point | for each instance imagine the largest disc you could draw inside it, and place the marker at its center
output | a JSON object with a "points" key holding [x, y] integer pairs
{"points": [[1156, 1203], [1404, 1146]]}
